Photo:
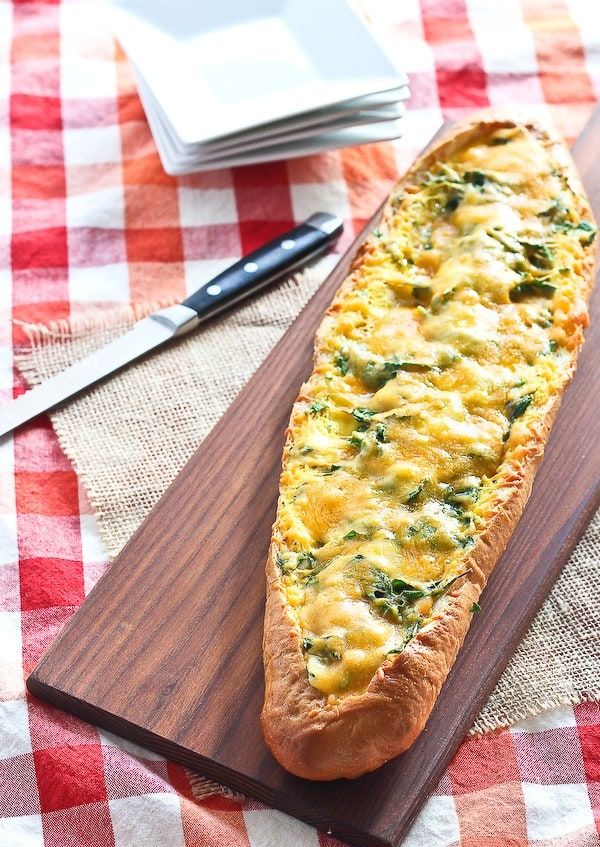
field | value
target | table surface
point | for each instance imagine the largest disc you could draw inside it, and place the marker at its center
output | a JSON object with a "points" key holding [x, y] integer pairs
{"points": [[88, 219]]}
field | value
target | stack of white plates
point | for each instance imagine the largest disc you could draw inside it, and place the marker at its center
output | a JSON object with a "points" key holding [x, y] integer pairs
{"points": [[232, 82]]}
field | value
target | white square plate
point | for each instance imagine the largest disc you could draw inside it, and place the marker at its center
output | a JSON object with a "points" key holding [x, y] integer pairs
{"points": [[176, 164], [342, 115], [280, 133], [217, 67]]}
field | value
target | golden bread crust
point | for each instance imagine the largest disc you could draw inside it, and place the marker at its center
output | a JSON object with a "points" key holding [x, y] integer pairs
{"points": [[317, 741]]}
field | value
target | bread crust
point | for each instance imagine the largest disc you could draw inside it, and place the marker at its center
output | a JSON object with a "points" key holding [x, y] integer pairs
{"points": [[320, 742]]}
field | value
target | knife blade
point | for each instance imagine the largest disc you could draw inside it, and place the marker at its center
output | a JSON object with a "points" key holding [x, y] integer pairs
{"points": [[253, 272]]}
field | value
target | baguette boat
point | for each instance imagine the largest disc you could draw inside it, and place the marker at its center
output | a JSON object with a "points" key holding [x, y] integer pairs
{"points": [[411, 450]]}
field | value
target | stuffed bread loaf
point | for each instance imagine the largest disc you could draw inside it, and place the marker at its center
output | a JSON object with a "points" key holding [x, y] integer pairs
{"points": [[411, 450]]}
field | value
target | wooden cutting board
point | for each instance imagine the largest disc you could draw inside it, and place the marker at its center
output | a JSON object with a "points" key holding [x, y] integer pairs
{"points": [[166, 650]]}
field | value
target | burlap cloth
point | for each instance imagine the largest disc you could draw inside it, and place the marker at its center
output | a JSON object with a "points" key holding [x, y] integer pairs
{"points": [[129, 437]]}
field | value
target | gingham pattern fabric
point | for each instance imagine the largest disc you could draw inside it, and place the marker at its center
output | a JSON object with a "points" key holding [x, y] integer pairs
{"points": [[87, 217]]}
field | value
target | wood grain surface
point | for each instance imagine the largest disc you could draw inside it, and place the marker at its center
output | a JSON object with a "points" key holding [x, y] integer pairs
{"points": [[166, 650]]}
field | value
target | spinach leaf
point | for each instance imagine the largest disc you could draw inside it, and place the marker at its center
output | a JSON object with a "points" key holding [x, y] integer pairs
{"points": [[394, 597], [538, 254], [556, 212], [342, 363], [381, 433], [329, 648], [376, 375], [317, 407], [453, 201], [390, 601], [459, 496], [306, 561], [587, 232], [363, 416], [532, 287], [422, 530], [282, 564], [476, 178], [441, 586], [446, 186], [410, 634], [414, 495], [391, 368], [516, 408]]}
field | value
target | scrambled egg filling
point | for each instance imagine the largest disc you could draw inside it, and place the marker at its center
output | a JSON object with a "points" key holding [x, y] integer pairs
{"points": [[456, 329]]}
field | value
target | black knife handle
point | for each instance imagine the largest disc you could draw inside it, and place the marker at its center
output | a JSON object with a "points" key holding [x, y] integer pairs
{"points": [[265, 265]]}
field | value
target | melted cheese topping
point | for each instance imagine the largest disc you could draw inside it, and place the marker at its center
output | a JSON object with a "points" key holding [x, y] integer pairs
{"points": [[455, 331]]}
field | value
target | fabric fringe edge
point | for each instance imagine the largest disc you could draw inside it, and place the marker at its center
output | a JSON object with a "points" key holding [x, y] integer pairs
{"points": [[484, 725], [203, 787], [39, 334]]}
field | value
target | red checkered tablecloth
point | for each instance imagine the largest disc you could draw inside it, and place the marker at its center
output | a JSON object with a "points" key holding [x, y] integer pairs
{"points": [[88, 218]]}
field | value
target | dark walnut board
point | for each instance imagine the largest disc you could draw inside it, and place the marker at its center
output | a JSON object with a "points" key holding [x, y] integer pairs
{"points": [[166, 650]]}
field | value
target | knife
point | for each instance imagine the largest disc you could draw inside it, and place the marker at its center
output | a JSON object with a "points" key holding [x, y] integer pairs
{"points": [[250, 274]]}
